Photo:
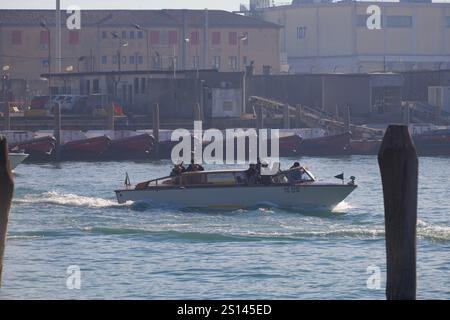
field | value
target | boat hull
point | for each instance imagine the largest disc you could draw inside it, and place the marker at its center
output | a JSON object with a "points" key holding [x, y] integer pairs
{"points": [[39, 149], [16, 159], [85, 150], [304, 196], [135, 147]]}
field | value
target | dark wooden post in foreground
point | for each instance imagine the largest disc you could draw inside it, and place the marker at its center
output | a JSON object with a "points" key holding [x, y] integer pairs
{"points": [[6, 194], [57, 131], [156, 125], [398, 163]]}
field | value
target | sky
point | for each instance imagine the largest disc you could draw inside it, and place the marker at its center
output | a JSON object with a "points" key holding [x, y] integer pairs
{"points": [[230, 5]]}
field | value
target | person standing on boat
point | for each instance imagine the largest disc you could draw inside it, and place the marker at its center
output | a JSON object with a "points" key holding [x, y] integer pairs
{"points": [[177, 170]]}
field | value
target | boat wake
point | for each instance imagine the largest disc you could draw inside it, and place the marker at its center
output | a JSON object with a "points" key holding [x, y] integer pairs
{"points": [[66, 199]]}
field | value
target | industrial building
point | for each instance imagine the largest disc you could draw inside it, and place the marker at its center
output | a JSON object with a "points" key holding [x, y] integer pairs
{"points": [[360, 36]]}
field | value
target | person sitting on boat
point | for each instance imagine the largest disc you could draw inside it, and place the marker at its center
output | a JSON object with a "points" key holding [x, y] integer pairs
{"points": [[193, 167], [252, 174], [177, 170], [296, 165], [295, 173]]}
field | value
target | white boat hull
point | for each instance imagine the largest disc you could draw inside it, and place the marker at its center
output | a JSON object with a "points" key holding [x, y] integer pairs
{"points": [[307, 196], [16, 159]]}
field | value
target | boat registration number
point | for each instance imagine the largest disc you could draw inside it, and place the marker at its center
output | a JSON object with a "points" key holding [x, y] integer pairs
{"points": [[292, 189]]}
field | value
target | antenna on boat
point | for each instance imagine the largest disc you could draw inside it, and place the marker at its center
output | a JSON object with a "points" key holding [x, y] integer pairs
{"points": [[127, 180]]}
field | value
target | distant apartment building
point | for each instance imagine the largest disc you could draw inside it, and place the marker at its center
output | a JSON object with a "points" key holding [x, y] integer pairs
{"points": [[132, 40], [360, 36]]}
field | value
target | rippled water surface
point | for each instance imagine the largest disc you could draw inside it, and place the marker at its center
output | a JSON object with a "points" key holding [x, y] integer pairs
{"points": [[68, 215]]}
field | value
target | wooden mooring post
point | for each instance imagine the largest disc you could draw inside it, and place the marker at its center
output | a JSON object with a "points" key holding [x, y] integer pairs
{"points": [[347, 120], [110, 117], [57, 131], [298, 116], [6, 194], [156, 125], [286, 117], [259, 117], [398, 164], [198, 112]]}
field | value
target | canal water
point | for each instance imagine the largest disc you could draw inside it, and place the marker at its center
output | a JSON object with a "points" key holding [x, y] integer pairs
{"points": [[65, 219]]}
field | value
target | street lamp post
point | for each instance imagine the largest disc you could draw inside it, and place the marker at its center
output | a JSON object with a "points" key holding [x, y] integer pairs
{"points": [[49, 62], [241, 39], [138, 27], [119, 60]]}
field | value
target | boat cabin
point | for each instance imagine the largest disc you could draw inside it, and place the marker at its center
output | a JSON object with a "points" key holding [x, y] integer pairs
{"points": [[229, 178]]}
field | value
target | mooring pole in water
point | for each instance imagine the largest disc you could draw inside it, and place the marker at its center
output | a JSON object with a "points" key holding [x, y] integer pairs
{"points": [[57, 131], [110, 113], [347, 120], [398, 163], [197, 112], [6, 194], [6, 92], [286, 119], [337, 112], [259, 117], [298, 116], [156, 125]]}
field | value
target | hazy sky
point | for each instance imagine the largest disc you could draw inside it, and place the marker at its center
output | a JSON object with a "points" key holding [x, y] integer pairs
{"points": [[229, 5]]}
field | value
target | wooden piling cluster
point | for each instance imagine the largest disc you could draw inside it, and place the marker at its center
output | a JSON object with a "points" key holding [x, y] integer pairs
{"points": [[6, 194], [398, 164]]}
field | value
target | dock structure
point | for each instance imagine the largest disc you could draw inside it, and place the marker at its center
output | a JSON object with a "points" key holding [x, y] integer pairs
{"points": [[398, 163], [6, 194], [314, 118]]}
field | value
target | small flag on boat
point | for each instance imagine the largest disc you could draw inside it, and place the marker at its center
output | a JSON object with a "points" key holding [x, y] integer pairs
{"points": [[127, 180], [340, 176]]}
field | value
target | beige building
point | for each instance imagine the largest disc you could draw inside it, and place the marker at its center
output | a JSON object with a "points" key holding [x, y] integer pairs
{"points": [[134, 41], [335, 37]]}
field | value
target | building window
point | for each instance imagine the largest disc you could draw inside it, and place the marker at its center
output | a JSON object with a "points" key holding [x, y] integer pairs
{"points": [[104, 35], [45, 63], [141, 60], [232, 63], [232, 38], [195, 62], [301, 33], [245, 34], [124, 60], [136, 85], [140, 34], [16, 37], [361, 20], [104, 59], [194, 38], [132, 35], [74, 37], [399, 21], [143, 85], [124, 34], [173, 37], [156, 62], [245, 61], [154, 37], [95, 86], [447, 22], [216, 62], [132, 59], [216, 38], [114, 59]]}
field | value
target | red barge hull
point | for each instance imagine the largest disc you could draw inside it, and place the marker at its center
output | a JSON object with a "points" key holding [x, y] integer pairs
{"points": [[39, 149], [135, 147], [85, 150]]}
